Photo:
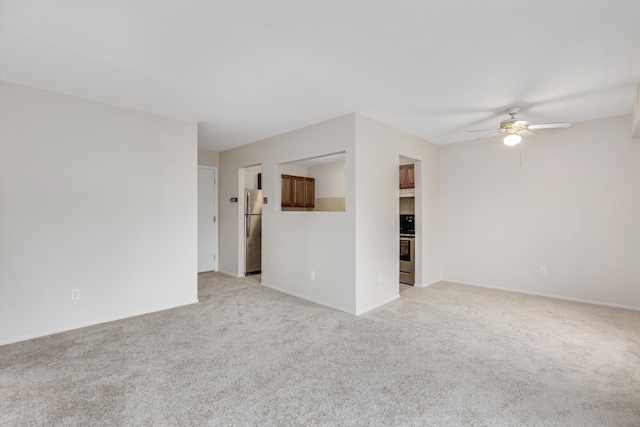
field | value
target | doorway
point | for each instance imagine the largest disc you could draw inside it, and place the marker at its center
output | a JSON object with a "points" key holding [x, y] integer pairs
{"points": [[410, 221], [207, 218]]}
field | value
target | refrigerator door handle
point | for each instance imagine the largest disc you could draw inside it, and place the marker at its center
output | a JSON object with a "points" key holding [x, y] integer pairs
{"points": [[247, 217]]}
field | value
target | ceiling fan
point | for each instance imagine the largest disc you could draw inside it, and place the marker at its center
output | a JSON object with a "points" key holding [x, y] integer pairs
{"points": [[514, 126]]}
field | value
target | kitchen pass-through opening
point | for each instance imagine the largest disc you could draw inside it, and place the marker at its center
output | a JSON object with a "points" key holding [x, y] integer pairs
{"points": [[314, 184]]}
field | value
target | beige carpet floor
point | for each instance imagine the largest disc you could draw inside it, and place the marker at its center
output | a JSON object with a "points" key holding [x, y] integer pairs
{"points": [[246, 355]]}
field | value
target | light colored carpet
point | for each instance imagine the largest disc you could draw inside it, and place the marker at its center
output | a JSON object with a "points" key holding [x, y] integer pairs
{"points": [[246, 355]]}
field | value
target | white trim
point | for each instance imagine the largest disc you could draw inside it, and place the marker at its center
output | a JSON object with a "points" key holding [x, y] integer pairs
{"points": [[373, 307], [418, 285], [541, 294], [216, 211], [313, 300], [228, 273], [93, 323]]}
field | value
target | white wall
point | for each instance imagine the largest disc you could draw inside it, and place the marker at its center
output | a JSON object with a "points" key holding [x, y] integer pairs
{"points": [[293, 169], [377, 213], [348, 251], [378, 149], [251, 177], [330, 179], [573, 207], [208, 158], [293, 243], [94, 197], [427, 207]]}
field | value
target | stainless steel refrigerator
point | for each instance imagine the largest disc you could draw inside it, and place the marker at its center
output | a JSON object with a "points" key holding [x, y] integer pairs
{"points": [[252, 231]]}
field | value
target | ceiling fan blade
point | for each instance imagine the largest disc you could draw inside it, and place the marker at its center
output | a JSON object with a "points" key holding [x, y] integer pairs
{"points": [[483, 130], [550, 125], [487, 136], [528, 130]]}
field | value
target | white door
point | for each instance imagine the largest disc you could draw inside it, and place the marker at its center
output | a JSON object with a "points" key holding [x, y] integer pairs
{"points": [[207, 219]]}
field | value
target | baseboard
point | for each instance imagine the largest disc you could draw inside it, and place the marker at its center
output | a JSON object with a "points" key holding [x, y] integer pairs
{"points": [[92, 323], [541, 294], [373, 307], [420, 285], [313, 300], [229, 273]]}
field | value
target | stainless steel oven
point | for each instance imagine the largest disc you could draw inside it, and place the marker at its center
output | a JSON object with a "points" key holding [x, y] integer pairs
{"points": [[407, 259]]}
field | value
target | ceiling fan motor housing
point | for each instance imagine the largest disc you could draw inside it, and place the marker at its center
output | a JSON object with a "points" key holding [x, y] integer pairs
{"points": [[513, 125]]}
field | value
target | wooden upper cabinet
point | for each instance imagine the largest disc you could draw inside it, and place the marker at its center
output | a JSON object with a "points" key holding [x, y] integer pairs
{"points": [[407, 177], [298, 191], [309, 192], [411, 181], [287, 190]]}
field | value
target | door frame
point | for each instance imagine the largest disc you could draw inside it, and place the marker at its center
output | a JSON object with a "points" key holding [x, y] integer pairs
{"points": [[216, 213]]}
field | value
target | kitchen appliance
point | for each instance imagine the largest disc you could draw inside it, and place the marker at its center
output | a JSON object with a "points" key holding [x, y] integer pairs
{"points": [[252, 231], [407, 225], [407, 260], [407, 249]]}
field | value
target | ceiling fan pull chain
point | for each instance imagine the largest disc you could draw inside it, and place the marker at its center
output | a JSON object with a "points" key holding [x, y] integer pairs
{"points": [[521, 154]]}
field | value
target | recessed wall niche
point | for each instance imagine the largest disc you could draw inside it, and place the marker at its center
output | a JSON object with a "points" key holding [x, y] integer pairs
{"points": [[313, 185]]}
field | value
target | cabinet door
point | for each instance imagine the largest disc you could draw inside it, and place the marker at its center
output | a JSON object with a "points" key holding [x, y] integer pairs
{"points": [[407, 177], [287, 190], [403, 177], [298, 191], [310, 192], [411, 182]]}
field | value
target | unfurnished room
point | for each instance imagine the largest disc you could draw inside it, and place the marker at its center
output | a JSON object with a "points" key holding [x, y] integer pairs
{"points": [[319, 213]]}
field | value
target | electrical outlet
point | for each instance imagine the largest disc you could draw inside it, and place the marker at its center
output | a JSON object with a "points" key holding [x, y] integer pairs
{"points": [[543, 270], [379, 277], [312, 275], [75, 294]]}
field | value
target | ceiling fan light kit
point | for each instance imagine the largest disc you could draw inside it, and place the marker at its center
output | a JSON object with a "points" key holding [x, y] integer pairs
{"points": [[513, 126], [512, 139]]}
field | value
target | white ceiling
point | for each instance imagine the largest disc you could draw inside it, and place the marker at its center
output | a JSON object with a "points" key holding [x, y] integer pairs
{"points": [[250, 70]]}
